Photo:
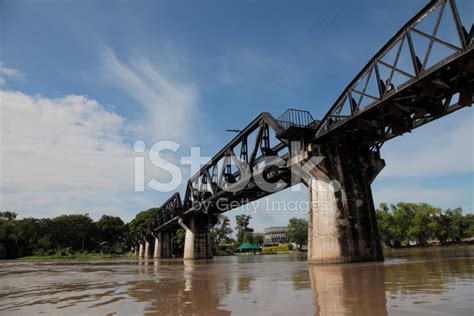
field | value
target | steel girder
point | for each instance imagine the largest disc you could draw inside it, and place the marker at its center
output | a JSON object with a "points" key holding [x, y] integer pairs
{"points": [[424, 71]]}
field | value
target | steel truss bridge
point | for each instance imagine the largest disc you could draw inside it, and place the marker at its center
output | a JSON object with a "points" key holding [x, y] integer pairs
{"points": [[424, 72]]}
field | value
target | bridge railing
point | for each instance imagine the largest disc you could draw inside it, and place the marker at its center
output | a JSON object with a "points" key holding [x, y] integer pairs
{"points": [[428, 41], [294, 117]]}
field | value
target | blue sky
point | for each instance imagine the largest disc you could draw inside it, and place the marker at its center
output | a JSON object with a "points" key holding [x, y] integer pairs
{"points": [[81, 81]]}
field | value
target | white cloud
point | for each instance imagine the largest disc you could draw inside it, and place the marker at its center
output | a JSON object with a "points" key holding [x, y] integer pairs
{"points": [[45, 141], [444, 147], [170, 105], [9, 73], [64, 155], [71, 154]]}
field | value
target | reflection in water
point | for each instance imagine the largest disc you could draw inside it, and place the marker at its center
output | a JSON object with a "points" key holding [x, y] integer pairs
{"points": [[194, 291], [415, 281], [437, 279], [348, 289], [243, 285]]}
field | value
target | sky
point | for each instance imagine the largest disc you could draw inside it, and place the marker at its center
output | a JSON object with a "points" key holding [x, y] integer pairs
{"points": [[81, 82]]}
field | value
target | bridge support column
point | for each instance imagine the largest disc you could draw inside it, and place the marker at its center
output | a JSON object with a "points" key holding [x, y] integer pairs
{"points": [[156, 250], [197, 243], [141, 250], [163, 247], [147, 248], [342, 222]]}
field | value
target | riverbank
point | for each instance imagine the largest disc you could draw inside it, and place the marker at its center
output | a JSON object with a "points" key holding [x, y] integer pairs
{"points": [[466, 241], [79, 255], [130, 255]]}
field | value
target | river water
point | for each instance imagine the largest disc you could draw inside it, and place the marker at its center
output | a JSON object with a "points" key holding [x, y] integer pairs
{"points": [[431, 281]]}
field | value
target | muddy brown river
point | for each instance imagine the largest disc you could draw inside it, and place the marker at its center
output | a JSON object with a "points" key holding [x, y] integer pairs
{"points": [[432, 281]]}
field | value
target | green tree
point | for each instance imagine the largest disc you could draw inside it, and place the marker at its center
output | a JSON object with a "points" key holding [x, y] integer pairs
{"points": [[469, 218], [423, 224], [298, 231], [394, 223], [29, 232], [420, 222], [458, 225], [110, 228], [76, 231], [385, 222], [8, 236], [222, 230], [142, 220], [242, 226], [247, 237], [442, 228], [258, 239], [7, 216], [178, 242]]}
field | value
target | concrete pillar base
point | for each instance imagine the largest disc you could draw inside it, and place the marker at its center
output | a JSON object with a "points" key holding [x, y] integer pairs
{"points": [[342, 222], [163, 248], [156, 249], [141, 250], [147, 249], [198, 244]]}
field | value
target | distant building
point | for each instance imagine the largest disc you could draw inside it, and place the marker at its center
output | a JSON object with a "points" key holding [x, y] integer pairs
{"points": [[276, 235]]}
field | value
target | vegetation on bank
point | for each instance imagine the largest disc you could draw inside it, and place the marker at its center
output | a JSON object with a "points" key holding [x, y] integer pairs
{"points": [[81, 256], [62, 236], [79, 237], [418, 224]]}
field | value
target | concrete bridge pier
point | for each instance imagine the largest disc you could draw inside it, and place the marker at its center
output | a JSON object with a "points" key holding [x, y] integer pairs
{"points": [[156, 249], [198, 243], [342, 222], [141, 249], [147, 248], [163, 247]]}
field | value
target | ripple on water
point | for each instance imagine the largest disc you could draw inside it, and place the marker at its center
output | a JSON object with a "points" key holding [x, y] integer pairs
{"points": [[440, 281]]}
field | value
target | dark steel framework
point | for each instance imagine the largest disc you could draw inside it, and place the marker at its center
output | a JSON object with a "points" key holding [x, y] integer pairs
{"points": [[402, 87], [230, 175], [424, 71]]}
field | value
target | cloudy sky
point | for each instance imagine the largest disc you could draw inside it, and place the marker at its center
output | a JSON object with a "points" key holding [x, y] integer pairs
{"points": [[80, 82]]}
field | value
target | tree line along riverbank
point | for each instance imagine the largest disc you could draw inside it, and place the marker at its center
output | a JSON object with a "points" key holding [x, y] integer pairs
{"points": [[78, 236]]}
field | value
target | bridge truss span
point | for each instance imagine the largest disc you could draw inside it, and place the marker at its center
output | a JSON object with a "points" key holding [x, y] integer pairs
{"points": [[424, 72], [252, 165]]}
